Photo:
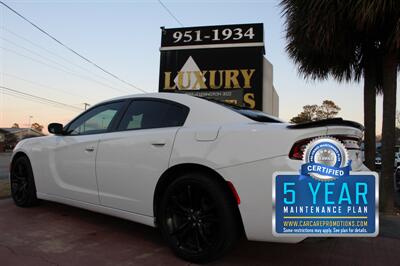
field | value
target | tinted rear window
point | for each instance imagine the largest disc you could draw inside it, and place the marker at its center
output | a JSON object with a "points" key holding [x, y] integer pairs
{"points": [[257, 115], [142, 114], [250, 113]]}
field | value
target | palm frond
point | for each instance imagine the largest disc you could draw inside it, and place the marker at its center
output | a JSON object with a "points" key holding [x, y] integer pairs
{"points": [[337, 38]]}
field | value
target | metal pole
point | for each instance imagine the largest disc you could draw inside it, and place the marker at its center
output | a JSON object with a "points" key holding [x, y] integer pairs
{"points": [[29, 121]]}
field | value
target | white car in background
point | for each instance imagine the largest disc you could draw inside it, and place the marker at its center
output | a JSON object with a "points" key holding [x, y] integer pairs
{"points": [[199, 170]]}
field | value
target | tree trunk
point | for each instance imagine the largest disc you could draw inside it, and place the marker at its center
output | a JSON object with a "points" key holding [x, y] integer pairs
{"points": [[388, 131], [369, 114]]}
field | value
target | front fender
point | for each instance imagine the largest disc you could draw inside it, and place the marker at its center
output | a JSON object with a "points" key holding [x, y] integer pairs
{"points": [[20, 148]]}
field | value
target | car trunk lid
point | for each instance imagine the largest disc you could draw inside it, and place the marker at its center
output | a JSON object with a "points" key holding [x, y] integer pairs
{"points": [[348, 132]]}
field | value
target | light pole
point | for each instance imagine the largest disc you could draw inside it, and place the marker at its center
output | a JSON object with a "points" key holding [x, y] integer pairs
{"points": [[29, 121]]}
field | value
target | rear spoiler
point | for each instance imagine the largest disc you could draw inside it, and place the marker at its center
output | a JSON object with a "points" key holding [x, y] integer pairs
{"points": [[327, 122]]}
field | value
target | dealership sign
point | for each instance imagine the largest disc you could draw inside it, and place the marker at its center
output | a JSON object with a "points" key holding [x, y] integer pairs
{"points": [[219, 62], [325, 198]]}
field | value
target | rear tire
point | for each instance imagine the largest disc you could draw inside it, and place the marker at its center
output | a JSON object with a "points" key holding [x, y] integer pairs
{"points": [[23, 190], [197, 218]]}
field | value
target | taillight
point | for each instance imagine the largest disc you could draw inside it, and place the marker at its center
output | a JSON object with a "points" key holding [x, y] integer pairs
{"points": [[349, 142], [233, 190], [297, 151]]}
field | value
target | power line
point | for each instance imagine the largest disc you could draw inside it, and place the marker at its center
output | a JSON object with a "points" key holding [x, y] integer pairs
{"points": [[66, 69], [170, 12], [44, 86], [53, 53], [70, 49], [60, 69], [37, 98], [37, 54], [40, 102]]}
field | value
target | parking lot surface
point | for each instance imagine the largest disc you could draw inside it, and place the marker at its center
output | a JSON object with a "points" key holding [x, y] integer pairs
{"points": [[55, 234]]}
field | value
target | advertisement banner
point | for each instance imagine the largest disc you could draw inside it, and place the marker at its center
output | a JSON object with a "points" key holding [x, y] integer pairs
{"points": [[343, 207], [325, 198], [219, 62]]}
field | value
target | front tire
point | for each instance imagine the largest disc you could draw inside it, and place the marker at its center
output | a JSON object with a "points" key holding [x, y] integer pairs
{"points": [[197, 218], [23, 190]]}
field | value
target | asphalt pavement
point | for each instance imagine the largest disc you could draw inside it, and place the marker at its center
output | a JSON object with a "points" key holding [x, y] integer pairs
{"points": [[56, 234]]}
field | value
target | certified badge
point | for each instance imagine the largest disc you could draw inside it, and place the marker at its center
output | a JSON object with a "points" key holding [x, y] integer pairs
{"points": [[325, 159]]}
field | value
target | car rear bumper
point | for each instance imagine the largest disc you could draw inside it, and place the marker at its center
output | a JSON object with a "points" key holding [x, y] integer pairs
{"points": [[253, 182]]}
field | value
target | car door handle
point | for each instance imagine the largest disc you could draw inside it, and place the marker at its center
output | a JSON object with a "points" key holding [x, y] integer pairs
{"points": [[158, 143], [89, 149]]}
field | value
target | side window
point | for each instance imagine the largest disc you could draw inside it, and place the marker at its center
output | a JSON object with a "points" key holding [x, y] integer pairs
{"points": [[96, 120], [142, 114]]}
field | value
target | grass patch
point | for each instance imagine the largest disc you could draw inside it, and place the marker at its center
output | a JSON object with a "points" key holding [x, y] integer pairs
{"points": [[5, 191]]}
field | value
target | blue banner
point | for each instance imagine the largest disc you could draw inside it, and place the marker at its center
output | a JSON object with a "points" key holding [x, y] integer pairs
{"points": [[322, 169], [340, 207]]}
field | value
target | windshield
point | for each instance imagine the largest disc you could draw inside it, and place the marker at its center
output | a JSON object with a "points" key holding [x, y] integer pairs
{"points": [[249, 113]]}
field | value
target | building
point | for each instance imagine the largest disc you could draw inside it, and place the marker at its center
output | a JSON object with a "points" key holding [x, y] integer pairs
{"points": [[9, 137], [270, 96]]}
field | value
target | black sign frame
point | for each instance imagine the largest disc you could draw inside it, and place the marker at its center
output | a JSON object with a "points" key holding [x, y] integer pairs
{"points": [[207, 35], [225, 70]]}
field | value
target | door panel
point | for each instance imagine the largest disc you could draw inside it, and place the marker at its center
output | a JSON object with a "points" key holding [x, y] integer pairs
{"points": [[72, 157], [72, 166], [129, 164]]}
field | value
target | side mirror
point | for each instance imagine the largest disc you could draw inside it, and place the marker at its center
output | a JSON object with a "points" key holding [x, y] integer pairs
{"points": [[55, 128]]}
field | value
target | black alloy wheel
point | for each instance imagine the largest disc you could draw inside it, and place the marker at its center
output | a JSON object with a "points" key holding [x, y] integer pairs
{"points": [[197, 218], [23, 190]]}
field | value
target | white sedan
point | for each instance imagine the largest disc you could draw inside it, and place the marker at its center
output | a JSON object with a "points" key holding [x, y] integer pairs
{"points": [[199, 170]]}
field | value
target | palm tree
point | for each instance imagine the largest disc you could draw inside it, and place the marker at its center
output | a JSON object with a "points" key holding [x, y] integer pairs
{"points": [[324, 44], [347, 40]]}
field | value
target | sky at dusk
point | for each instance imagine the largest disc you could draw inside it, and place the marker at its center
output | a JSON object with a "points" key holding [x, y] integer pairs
{"points": [[124, 38]]}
